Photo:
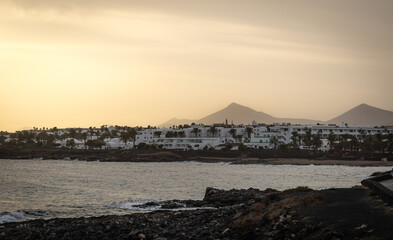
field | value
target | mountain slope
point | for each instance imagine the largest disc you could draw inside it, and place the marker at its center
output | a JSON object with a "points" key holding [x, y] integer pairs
{"points": [[360, 115], [238, 114], [176, 122], [365, 115]]}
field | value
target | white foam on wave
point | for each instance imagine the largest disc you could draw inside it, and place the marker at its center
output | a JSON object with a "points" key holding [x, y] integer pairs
{"points": [[11, 217], [136, 206], [190, 208], [225, 163]]}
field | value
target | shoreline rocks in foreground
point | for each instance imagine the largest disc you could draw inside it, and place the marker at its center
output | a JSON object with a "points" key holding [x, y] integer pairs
{"points": [[301, 213]]}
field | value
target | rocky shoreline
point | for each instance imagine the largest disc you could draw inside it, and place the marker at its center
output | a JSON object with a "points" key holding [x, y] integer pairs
{"points": [[174, 156], [301, 213]]}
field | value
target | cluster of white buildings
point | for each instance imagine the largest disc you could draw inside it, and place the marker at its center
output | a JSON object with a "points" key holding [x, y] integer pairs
{"points": [[199, 137], [254, 136]]}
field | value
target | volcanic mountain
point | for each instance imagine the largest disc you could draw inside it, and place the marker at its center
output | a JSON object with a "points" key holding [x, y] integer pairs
{"points": [[238, 114], [360, 115], [365, 115]]}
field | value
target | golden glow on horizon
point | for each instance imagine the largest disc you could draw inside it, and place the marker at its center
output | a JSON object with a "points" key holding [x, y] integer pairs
{"points": [[72, 65]]}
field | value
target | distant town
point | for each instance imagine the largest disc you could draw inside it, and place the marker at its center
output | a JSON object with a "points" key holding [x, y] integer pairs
{"points": [[223, 136]]}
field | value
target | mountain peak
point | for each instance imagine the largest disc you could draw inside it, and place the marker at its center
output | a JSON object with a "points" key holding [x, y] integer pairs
{"points": [[363, 105], [234, 105], [365, 115]]}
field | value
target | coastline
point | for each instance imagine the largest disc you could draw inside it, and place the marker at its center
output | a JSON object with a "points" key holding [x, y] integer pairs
{"points": [[176, 156], [299, 213]]}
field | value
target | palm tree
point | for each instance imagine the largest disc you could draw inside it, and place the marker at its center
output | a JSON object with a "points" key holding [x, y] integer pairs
{"points": [[300, 139], [307, 138], [362, 137], [213, 130], [125, 136], [72, 135], [2, 139], [181, 134], [389, 142], [195, 131], [316, 141], [232, 131], [157, 134], [249, 131], [169, 134], [70, 143], [294, 138], [83, 136], [239, 138], [369, 144], [332, 139], [114, 133], [91, 131], [380, 144], [132, 134], [40, 137], [274, 142]]}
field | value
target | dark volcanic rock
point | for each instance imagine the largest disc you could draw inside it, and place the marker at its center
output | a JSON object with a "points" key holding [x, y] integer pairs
{"points": [[239, 214]]}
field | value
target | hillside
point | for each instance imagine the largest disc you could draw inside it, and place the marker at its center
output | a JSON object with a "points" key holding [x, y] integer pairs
{"points": [[365, 115], [238, 114]]}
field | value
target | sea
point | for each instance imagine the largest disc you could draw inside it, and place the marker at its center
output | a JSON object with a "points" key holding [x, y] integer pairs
{"points": [[43, 189]]}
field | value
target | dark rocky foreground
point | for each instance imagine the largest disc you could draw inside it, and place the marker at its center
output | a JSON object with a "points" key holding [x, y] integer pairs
{"points": [[300, 213]]}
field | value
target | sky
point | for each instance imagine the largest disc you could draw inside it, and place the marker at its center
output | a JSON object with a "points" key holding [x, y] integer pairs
{"points": [[121, 62]]}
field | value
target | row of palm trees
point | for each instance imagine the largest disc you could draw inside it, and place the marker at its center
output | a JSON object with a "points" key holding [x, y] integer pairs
{"points": [[46, 138], [345, 142]]}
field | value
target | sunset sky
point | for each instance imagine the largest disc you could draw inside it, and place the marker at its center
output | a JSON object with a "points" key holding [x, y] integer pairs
{"points": [[87, 63]]}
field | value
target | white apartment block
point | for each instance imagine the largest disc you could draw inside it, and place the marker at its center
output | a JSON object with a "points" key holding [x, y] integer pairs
{"points": [[201, 137], [217, 137]]}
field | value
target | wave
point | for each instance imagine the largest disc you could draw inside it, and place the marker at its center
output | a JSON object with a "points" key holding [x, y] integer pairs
{"points": [[225, 163], [144, 205], [137, 205], [6, 217]]}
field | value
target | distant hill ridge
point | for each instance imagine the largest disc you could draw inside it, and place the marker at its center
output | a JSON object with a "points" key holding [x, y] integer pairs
{"points": [[360, 115], [365, 115]]}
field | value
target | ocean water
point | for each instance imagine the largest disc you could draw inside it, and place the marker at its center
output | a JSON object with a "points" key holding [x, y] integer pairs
{"points": [[33, 189]]}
